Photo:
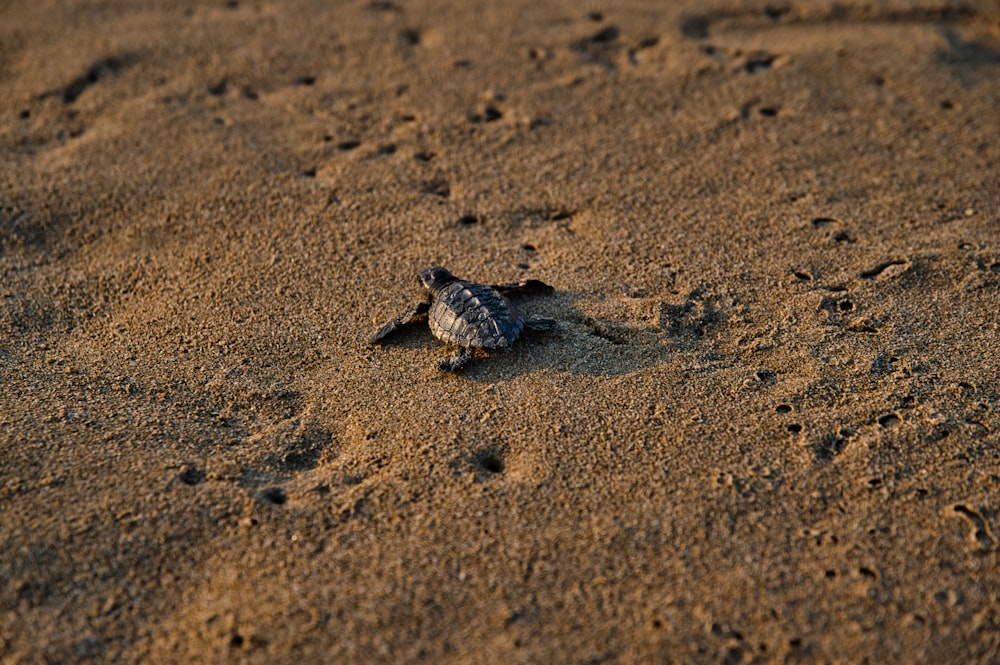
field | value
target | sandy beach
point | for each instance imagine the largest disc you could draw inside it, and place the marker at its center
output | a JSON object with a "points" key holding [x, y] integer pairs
{"points": [[766, 428]]}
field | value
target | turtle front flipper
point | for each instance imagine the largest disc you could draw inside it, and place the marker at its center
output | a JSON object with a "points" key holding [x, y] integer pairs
{"points": [[525, 286], [409, 316], [455, 362], [540, 325]]}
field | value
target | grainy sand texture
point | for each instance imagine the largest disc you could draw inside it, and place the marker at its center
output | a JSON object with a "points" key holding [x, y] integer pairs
{"points": [[765, 429]]}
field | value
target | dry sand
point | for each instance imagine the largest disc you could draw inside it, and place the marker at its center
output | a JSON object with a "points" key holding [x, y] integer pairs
{"points": [[766, 429]]}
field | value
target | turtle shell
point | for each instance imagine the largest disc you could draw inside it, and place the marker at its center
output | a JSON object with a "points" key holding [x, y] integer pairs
{"points": [[474, 316]]}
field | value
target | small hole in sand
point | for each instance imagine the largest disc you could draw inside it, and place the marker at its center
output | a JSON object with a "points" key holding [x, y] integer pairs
{"points": [[493, 465], [190, 475], [845, 306], [802, 275], [795, 428], [489, 461], [783, 408], [596, 17], [310, 173], [528, 248], [468, 220], [889, 420], [758, 64], [387, 149], [830, 574], [348, 145], [492, 114], [236, 641], [605, 36], [275, 495], [769, 111], [410, 37], [305, 80]]}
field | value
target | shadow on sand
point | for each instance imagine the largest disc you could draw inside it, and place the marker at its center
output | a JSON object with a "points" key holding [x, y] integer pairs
{"points": [[602, 337]]}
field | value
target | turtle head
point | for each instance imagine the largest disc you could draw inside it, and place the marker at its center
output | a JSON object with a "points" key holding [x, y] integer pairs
{"points": [[436, 278]]}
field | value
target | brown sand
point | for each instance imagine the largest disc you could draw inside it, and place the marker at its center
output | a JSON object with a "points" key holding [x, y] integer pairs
{"points": [[766, 429]]}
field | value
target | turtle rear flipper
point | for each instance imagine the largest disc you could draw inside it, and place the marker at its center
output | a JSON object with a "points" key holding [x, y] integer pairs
{"points": [[456, 361], [409, 316]]}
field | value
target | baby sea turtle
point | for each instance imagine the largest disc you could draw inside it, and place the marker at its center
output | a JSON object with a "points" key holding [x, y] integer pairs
{"points": [[468, 315]]}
